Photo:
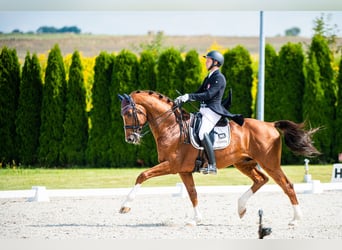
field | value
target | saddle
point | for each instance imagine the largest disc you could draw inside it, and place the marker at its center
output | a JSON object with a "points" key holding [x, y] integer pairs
{"points": [[219, 136]]}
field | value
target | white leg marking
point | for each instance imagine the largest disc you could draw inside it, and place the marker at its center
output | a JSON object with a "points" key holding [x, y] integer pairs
{"points": [[131, 196], [198, 215], [297, 215], [197, 218], [243, 201]]}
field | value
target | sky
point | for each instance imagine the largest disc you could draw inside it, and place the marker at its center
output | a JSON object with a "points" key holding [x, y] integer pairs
{"points": [[173, 17], [179, 22]]}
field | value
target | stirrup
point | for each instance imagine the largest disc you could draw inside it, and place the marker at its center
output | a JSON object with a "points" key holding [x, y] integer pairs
{"points": [[210, 169]]}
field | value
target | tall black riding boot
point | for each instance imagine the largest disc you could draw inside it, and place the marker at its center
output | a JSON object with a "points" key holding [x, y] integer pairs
{"points": [[208, 147]]}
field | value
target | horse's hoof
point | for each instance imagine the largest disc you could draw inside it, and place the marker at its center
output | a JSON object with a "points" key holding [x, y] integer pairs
{"points": [[293, 223], [242, 213], [191, 223], [124, 210]]}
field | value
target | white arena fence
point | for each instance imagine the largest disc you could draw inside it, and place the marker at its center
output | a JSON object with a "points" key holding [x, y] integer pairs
{"points": [[177, 191]]}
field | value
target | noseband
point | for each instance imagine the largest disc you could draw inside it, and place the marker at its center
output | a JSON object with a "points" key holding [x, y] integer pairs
{"points": [[136, 127]]}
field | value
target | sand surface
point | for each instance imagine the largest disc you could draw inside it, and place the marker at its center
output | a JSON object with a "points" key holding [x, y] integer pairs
{"points": [[165, 217]]}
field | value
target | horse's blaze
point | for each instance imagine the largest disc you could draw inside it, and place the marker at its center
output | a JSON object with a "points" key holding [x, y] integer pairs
{"points": [[125, 210]]}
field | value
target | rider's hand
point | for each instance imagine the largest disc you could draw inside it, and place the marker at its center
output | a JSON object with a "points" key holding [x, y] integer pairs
{"points": [[181, 99]]}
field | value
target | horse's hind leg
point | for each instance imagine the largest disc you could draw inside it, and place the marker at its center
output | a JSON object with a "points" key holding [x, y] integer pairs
{"points": [[189, 183], [249, 168], [280, 178]]}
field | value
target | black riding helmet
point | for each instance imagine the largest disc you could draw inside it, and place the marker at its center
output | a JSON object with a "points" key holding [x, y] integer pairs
{"points": [[216, 56]]}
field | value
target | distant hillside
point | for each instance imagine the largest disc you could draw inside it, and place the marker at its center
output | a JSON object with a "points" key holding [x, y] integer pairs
{"points": [[92, 45]]}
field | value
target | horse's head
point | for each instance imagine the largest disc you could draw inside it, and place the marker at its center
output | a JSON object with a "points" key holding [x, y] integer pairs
{"points": [[134, 117]]}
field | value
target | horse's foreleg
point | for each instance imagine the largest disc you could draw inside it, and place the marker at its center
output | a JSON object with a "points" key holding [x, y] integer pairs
{"points": [[243, 201], [297, 215], [126, 205], [259, 179], [189, 183], [158, 170]]}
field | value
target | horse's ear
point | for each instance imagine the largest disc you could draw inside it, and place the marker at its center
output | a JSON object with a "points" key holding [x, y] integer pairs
{"points": [[120, 97], [127, 97]]}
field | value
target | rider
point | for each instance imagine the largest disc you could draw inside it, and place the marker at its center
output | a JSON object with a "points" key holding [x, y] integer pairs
{"points": [[210, 95]]}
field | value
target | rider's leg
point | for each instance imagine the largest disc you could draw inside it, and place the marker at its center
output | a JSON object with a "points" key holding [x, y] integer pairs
{"points": [[208, 147], [209, 120]]}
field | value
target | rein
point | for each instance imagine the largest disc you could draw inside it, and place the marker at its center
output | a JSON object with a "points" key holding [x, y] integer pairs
{"points": [[170, 111], [136, 127]]}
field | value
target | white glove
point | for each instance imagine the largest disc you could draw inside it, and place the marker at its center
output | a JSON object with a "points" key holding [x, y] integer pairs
{"points": [[181, 99]]}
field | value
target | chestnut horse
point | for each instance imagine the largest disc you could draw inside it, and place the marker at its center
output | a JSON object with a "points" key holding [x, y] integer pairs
{"points": [[255, 142]]}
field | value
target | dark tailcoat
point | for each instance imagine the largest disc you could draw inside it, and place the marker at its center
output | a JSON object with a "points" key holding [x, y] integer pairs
{"points": [[211, 92]]}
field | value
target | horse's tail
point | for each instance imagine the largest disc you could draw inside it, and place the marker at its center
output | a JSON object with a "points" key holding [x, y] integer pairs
{"points": [[297, 138]]}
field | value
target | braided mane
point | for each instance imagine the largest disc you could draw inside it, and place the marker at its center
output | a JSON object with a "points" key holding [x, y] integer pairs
{"points": [[184, 114], [151, 92]]}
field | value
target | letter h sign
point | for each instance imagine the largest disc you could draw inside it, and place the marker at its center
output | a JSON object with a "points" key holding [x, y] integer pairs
{"points": [[336, 175]]}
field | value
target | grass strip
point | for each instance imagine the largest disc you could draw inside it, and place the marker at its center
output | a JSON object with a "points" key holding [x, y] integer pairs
{"points": [[22, 178]]}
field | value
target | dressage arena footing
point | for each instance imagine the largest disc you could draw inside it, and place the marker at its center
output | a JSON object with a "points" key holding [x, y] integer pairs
{"points": [[41, 194]]}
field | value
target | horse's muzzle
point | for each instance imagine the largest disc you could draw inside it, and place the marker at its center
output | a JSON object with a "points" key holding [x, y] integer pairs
{"points": [[133, 138]]}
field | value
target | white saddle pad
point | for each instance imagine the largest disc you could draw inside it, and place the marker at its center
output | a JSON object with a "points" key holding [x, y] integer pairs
{"points": [[221, 137]]}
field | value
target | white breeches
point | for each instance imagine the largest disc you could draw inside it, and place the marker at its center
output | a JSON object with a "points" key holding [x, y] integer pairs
{"points": [[209, 120]]}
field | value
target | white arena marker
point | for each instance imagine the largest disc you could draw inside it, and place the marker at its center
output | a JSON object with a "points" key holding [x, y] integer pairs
{"points": [[182, 192], [40, 194], [316, 187]]}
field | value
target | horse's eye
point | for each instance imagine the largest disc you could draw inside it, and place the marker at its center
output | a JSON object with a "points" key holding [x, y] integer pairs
{"points": [[129, 114]]}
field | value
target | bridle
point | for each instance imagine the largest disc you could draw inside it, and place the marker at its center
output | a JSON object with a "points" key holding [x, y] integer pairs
{"points": [[136, 126]]}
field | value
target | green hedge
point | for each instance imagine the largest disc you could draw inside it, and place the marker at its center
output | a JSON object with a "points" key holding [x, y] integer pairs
{"points": [[47, 123]]}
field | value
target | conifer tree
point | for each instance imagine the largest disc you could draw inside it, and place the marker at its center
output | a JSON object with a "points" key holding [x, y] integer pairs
{"points": [[290, 90], [29, 111], [338, 123], [169, 73], [314, 101], [76, 120], [192, 77], [147, 74], [9, 92], [192, 72], [53, 110], [271, 84], [147, 77], [124, 81], [319, 47], [291, 82], [99, 143], [238, 71]]}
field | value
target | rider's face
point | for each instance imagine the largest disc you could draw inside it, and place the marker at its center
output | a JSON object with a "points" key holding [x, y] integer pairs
{"points": [[208, 62]]}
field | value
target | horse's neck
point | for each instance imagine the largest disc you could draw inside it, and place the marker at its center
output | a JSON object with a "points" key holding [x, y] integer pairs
{"points": [[160, 115]]}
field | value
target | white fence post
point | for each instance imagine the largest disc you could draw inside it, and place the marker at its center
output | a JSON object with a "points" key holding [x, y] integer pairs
{"points": [[40, 194]]}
